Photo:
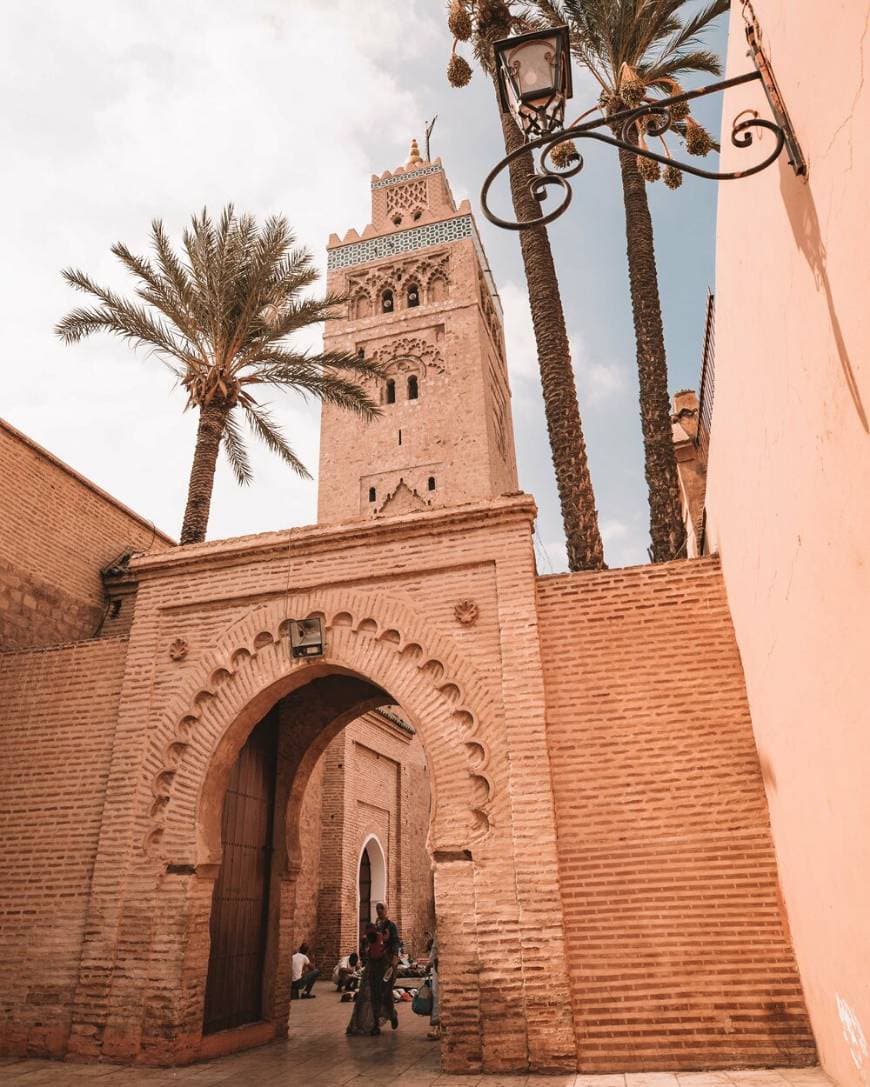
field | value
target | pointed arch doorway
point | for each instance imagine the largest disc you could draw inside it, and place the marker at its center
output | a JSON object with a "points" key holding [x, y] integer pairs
{"points": [[372, 880]]}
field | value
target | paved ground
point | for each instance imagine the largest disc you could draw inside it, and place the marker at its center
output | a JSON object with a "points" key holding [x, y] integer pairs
{"points": [[319, 1054]]}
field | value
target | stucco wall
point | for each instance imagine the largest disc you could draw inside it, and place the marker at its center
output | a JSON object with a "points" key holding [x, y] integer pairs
{"points": [[788, 486]]}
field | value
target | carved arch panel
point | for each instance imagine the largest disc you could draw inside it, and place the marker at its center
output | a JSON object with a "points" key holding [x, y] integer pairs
{"points": [[379, 640]]}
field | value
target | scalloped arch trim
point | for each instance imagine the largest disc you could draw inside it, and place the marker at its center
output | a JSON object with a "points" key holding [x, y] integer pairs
{"points": [[376, 637]]}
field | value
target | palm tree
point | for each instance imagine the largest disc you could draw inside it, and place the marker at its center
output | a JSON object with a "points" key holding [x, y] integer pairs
{"points": [[485, 22], [636, 50], [220, 316]]}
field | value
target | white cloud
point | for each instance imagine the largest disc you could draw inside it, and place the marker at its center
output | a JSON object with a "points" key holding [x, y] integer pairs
{"points": [[552, 555], [522, 353], [597, 380], [118, 113], [612, 531]]}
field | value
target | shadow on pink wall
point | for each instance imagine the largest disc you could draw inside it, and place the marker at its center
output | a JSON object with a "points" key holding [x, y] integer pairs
{"points": [[804, 221]]}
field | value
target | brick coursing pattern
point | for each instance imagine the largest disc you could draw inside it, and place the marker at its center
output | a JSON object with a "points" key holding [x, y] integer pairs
{"points": [[146, 947], [59, 710], [607, 706], [677, 950], [57, 531]]}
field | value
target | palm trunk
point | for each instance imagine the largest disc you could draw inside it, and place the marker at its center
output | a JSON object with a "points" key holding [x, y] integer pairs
{"points": [[568, 448], [212, 419], [667, 530]]}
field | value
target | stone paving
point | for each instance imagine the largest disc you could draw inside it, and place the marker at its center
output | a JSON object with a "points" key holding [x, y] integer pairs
{"points": [[319, 1054]]}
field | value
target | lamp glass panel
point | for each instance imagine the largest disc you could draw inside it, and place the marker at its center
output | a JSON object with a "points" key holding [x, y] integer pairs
{"points": [[534, 67]]}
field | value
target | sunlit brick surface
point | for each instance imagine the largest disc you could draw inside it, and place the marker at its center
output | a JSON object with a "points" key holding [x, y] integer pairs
{"points": [[57, 530], [675, 933]]}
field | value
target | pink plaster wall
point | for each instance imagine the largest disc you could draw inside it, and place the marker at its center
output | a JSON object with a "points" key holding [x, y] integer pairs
{"points": [[788, 492]]}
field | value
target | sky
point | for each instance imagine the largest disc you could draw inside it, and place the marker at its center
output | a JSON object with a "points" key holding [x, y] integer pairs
{"points": [[120, 111]]}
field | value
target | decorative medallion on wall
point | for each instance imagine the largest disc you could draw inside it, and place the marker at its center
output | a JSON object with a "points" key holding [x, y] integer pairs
{"points": [[466, 612], [178, 649]]}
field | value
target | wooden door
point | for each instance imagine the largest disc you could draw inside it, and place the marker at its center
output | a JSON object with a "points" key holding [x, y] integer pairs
{"points": [[239, 912]]}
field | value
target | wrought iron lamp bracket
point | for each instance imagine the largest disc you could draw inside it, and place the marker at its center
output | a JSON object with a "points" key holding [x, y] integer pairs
{"points": [[659, 119], [775, 100]]}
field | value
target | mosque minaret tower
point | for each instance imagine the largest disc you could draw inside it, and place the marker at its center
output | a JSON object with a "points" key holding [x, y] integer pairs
{"points": [[422, 302]]}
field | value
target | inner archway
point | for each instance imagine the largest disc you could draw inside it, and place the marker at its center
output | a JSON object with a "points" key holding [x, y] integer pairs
{"points": [[372, 880], [331, 771], [365, 892]]}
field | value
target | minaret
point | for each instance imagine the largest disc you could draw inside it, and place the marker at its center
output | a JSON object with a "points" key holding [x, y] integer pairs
{"points": [[421, 300]]}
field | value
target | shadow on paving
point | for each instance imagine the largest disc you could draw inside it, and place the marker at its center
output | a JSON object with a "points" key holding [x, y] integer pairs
{"points": [[318, 1053]]}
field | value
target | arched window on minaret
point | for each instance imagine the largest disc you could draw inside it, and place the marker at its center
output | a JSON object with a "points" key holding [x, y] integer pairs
{"points": [[387, 301], [373, 494], [361, 307], [437, 289], [413, 295], [391, 391], [413, 387], [431, 483]]}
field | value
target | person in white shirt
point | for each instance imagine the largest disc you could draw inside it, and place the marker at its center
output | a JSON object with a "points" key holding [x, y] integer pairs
{"points": [[302, 975], [346, 973]]}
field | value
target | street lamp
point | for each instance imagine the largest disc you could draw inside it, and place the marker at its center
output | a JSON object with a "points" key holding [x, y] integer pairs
{"points": [[306, 638], [534, 79]]}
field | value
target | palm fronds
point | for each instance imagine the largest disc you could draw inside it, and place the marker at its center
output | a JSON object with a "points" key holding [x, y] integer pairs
{"points": [[636, 49], [222, 312]]}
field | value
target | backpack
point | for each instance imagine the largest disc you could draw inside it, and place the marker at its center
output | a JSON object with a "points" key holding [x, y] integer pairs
{"points": [[377, 948], [422, 1002]]}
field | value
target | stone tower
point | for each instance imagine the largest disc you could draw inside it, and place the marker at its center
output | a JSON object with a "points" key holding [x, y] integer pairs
{"points": [[423, 303]]}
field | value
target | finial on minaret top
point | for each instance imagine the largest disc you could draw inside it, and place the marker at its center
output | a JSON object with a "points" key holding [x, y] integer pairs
{"points": [[413, 155]]}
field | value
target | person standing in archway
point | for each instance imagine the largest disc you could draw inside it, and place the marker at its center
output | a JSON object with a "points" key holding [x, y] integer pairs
{"points": [[383, 970]]}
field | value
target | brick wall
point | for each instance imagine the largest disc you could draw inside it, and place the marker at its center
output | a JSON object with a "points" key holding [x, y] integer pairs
{"points": [[395, 594], [57, 531], [57, 723], [677, 952], [642, 749]]}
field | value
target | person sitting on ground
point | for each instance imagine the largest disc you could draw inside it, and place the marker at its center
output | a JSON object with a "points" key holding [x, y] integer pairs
{"points": [[303, 975], [403, 962], [345, 976]]}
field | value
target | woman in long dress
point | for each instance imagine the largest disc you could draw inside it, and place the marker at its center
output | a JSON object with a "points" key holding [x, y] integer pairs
{"points": [[362, 1020]]}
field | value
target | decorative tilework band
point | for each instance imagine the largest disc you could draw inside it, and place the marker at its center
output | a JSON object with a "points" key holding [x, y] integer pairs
{"points": [[406, 177], [402, 241]]}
